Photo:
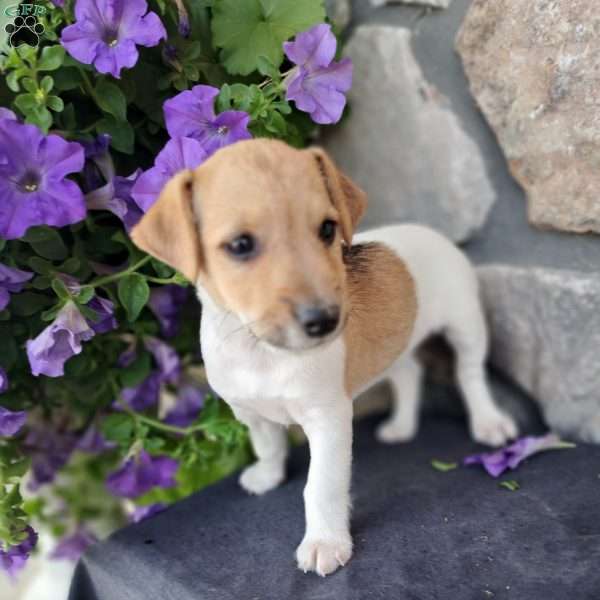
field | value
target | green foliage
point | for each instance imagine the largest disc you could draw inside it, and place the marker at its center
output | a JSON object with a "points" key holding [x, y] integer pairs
{"points": [[50, 89], [248, 30]]}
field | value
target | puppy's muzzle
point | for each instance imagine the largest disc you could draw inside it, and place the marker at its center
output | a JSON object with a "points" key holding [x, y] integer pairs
{"points": [[317, 321]]}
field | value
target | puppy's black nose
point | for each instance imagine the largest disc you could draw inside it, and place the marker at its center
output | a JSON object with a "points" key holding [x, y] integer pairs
{"points": [[317, 321]]}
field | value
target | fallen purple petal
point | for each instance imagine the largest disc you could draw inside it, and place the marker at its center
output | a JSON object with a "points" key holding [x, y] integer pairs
{"points": [[511, 456]]}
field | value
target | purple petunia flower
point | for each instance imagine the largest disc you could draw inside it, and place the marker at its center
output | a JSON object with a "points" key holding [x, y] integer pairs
{"points": [[50, 450], [141, 473], [33, 185], [190, 400], [3, 381], [144, 395], [11, 282], [6, 113], [71, 547], [104, 310], [510, 457], [318, 83], [106, 190], [178, 154], [61, 340], [106, 33], [14, 558], [166, 302], [145, 512], [191, 114], [11, 422], [184, 20], [93, 441], [167, 360]]}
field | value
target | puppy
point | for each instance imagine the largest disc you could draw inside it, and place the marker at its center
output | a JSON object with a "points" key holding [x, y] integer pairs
{"points": [[297, 321]]}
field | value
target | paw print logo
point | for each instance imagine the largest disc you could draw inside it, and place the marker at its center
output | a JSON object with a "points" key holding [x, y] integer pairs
{"points": [[24, 31]]}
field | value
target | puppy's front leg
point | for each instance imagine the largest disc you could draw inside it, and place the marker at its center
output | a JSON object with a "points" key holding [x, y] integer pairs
{"points": [[270, 444], [327, 543]]}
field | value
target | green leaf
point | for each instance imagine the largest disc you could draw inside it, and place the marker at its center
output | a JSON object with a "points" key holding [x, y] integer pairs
{"points": [[136, 372], [52, 58], [12, 80], [26, 103], [133, 293], [29, 84], [41, 282], [111, 99], [85, 295], [439, 465], [162, 270], [121, 133], [47, 84], [118, 428], [26, 304], [55, 103], [41, 117], [253, 28], [67, 79], [267, 68], [511, 485], [47, 243], [39, 265], [224, 98], [60, 289]]}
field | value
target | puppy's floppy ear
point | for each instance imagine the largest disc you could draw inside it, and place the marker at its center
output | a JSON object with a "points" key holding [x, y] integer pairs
{"points": [[349, 199], [168, 231]]}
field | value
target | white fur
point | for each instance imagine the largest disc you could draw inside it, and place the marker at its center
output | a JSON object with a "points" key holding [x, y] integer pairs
{"points": [[269, 389]]}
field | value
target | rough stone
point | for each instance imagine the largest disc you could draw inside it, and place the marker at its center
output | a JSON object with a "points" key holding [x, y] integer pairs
{"points": [[545, 334], [534, 69], [434, 3], [339, 11], [404, 145]]}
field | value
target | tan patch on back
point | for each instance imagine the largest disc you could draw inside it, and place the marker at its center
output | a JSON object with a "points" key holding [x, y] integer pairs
{"points": [[382, 312]]}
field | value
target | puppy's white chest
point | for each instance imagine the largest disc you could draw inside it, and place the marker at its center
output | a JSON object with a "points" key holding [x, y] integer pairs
{"points": [[279, 385]]}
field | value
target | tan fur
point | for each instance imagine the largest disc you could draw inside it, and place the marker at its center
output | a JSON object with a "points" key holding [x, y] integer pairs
{"points": [[169, 230], [383, 308], [281, 196]]}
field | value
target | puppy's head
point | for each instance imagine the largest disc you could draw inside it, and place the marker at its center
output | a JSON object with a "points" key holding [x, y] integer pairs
{"points": [[261, 227]]}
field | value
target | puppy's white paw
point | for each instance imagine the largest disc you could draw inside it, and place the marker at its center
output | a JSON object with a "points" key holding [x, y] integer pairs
{"points": [[261, 477], [392, 431], [323, 556], [493, 428]]}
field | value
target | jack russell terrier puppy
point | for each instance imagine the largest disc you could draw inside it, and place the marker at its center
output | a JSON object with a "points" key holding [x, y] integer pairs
{"points": [[297, 321]]}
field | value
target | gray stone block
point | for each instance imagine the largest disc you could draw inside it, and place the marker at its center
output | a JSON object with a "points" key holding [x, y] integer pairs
{"points": [[533, 66], [545, 334], [404, 145]]}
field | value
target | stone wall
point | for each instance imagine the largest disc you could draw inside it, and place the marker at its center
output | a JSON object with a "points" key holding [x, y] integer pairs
{"points": [[482, 119]]}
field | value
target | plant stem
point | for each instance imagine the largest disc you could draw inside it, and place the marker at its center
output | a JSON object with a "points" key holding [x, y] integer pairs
{"points": [[120, 274], [89, 88], [163, 281]]}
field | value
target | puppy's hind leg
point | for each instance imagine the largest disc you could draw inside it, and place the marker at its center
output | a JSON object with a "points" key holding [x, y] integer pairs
{"points": [[405, 378], [270, 444], [489, 425]]}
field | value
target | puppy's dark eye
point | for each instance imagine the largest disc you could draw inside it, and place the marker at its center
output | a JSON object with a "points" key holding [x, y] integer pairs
{"points": [[242, 247], [327, 231]]}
